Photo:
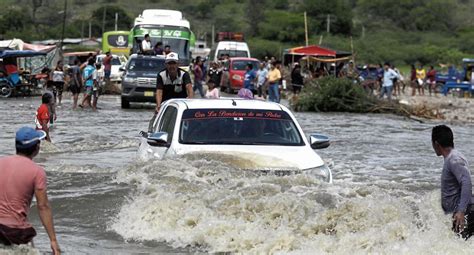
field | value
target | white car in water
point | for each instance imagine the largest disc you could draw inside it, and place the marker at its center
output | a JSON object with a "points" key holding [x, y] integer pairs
{"points": [[253, 135]]}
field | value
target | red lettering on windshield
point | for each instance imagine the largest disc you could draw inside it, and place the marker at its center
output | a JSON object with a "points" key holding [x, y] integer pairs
{"points": [[273, 115], [199, 115]]}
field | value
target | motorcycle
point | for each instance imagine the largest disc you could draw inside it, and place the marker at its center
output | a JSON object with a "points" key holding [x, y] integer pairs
{"points": [[17, 82]]}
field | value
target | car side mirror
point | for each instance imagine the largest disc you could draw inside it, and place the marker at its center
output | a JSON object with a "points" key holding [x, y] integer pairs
{"points": [[319, 141], [159, 139], [122, 69]]}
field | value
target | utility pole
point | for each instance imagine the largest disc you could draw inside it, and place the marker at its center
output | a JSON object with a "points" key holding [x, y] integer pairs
{"points": [[82, 31], [116, 20], [212, 36], [306, 29], [328, 23], [64, 26], [90, 29], [103, 19]]}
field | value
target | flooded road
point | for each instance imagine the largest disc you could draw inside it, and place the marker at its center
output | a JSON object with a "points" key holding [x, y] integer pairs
{"points": [[384, 199]]}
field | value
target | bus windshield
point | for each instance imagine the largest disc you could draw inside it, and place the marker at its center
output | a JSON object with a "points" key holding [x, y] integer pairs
{"points": [[177, 38]]}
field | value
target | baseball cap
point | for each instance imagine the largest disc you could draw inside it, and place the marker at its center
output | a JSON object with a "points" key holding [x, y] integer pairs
{"points": [[171, 57], [27, 137]]}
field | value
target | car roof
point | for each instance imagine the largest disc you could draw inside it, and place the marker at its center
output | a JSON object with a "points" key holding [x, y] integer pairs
{"points": [[227, 103], [245, 59], [147, 56]]}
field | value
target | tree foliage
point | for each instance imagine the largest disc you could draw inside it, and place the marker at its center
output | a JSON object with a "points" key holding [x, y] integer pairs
{"points": [[124, 21], [412, 15]]}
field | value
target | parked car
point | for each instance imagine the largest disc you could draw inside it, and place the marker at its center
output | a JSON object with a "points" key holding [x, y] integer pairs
{"points": [[117, 63], [237, 68], [256, 135], [139, 78]]}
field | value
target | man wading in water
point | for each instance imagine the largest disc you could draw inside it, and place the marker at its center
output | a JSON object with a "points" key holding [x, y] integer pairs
{"points": [[456, 187], [20, 178]]}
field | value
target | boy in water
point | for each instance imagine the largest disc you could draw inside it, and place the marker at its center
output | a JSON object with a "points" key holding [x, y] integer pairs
{"points": [[456, 187], [43, 115]]}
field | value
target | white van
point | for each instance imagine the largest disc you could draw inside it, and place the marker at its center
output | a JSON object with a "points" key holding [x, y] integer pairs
{"points": [[233, 48]]}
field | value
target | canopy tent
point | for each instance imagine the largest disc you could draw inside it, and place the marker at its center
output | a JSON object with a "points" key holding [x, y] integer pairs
{"points": [[312, 50], [17, 44], [325, 60], [20, 53], [317, 53]]}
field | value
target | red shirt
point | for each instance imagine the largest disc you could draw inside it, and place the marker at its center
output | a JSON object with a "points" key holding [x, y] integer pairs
{"points": [[431, 75], [42, 114], [19, 178]]}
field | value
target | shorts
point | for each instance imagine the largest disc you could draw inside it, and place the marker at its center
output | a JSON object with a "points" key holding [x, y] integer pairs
{"points": [[468, 230], [296, 88], [59, 87], [75, 89], [89, 91], [9, 236], [96, 92], [107, 74]]}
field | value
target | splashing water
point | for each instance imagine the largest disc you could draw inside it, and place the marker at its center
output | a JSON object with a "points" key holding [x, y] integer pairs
{"points": [[213, 207]]}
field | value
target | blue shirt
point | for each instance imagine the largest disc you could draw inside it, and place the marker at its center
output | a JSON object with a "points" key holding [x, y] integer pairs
{"points": [[249, 78], [87, 75]]}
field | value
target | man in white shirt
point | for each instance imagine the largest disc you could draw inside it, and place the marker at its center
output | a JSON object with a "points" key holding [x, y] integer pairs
{"points": [[146, 45]]}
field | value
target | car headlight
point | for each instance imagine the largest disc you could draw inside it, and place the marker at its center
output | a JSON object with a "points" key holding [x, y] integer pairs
{"points": [[323, 172], [128, 79]]}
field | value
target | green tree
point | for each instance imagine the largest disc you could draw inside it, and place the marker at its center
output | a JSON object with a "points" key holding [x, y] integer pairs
{"points": [[414, 15], [124, 21], [340, 13], [283, 26], [14, 20], [255, 15]]}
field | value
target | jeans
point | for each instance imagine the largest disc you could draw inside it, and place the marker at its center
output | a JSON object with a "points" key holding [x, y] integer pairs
{"points": [[273, 93], [386, 90], [198, 86]]}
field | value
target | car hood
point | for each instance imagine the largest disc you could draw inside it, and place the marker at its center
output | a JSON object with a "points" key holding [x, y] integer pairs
{"points": [[257, 157]]}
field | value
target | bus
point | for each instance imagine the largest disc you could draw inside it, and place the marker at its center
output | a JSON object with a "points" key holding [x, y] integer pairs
{"points": [[166, 26], [116, 42]]}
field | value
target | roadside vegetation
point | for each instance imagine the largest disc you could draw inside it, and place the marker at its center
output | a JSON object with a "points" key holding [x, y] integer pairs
{"points": [[424, 31], [330, 94]]}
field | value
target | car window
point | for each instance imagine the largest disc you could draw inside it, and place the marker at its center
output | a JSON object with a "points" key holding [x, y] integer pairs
{"points": [[146, 64], [239, 126], [234, 53], [241, 65], [168, 121]]}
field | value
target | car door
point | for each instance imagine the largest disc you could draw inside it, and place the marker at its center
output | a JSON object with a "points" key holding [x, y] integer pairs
{"points": [[167, 124]]}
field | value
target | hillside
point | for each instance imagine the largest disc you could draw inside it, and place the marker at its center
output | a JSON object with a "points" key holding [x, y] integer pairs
{"points": [[428, 31]]}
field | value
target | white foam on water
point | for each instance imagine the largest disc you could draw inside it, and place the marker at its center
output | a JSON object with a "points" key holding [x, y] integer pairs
{"points": [[18, 250], [89, 144], [212, 207]]}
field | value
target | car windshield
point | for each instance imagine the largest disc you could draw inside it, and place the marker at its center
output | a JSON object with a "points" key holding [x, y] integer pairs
{"points": [[115, 61], [146, 64], [241, 65], [238, 126], [233, 53]]}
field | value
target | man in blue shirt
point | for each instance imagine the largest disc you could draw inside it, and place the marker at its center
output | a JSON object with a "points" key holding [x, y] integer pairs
{"points": [[249, 78], [88, 77], [456, 185], [387, 84]]}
